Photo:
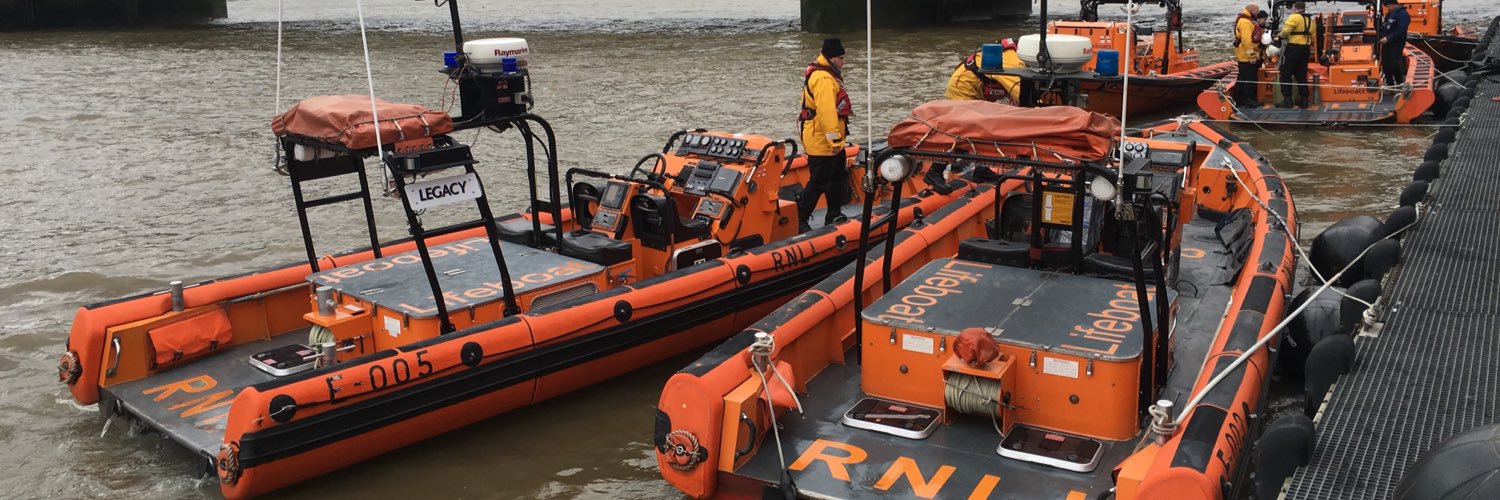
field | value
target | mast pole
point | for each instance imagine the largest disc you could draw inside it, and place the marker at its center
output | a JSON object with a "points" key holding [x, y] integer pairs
{"points": [[458, 31]]}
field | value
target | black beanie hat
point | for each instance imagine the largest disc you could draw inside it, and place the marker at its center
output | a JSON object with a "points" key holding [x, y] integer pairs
{"points": [[833, 47]]}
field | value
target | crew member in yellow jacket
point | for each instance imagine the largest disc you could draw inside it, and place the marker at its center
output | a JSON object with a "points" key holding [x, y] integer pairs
{"points": [[825, 129], [1247, 55], [967, 83], [1299, 31]]}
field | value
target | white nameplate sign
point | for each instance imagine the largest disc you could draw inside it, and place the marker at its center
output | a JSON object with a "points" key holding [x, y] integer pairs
{"points": [[439, 192]]}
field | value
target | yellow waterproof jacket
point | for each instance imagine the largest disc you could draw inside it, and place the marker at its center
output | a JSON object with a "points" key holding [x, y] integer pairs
{"points": [[1299, 29], [825, 132], [1247, 48], [964, 84]]}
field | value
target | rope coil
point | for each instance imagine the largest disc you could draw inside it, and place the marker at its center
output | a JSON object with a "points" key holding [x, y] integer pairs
{"points": [[228, 463], [971, 395], [683, 450]]}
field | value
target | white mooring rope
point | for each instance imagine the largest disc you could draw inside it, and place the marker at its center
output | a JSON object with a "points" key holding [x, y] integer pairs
{"points": [[1238, 360], [370, 79]]}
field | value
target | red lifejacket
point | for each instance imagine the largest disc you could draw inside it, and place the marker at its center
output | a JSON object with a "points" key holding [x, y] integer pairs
{"points": [[990, 88], [840, 100]]}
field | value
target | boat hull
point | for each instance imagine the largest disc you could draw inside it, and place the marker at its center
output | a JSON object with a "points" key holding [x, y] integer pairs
{"points": [[719, 402], [1152, 94], [1337, 103], [270, 432]]}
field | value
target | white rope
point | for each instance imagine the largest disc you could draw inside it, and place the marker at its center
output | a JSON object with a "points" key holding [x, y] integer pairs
{"points": [[761, 350], [869, 81], [1401, 86], [276, 105], [1286, 229], [1127, 64], [1238, 360], [1124, 67], [1432, 51], [370, 79], [1341, 124]]}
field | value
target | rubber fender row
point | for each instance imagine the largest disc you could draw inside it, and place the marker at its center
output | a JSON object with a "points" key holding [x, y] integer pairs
{"points": [[1468, 464], [1319, 345]]}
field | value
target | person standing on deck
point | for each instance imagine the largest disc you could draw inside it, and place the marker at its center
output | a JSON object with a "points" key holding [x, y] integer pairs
{"points": [[1299, 31], [1262, 18], [1393, 48], [1247, 54], [824, 121], [966, 82]]}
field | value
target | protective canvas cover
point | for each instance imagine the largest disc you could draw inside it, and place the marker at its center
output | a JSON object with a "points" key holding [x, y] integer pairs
{"points": [[189, 338], [989, 128], [345, 120]]}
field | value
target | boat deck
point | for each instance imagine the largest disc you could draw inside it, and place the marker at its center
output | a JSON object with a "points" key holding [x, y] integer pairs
{"points": [[1333, 112], [400, 282], [190, 403], [1429, 372], [968, 446]]}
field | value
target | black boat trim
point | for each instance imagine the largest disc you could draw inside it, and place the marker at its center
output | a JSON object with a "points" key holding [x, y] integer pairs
{"points": [[344, 423]]}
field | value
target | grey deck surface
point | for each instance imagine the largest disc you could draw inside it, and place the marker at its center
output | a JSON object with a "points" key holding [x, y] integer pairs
{"points": [[196, 419], [1326, 113], [1431, 372], [399, 281], [969, 443]]}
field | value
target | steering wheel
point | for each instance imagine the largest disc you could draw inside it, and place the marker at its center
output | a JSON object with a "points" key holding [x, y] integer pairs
{"points": [[583, 197]]}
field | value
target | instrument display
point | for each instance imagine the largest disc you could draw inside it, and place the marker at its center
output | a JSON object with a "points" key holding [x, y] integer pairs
{"points": [[614, 195], [724, 148]]}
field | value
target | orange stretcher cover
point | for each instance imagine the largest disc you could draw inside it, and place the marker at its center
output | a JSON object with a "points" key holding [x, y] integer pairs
{"points": [[345, 119], [189, 338], [982, 127]]}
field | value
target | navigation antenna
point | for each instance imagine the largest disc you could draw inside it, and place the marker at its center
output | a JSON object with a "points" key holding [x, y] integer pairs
{"points": [[1121, 211]]}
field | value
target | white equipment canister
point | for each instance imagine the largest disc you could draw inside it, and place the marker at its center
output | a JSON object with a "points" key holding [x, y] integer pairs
{"points": [[487, 54], [1069, 52]]}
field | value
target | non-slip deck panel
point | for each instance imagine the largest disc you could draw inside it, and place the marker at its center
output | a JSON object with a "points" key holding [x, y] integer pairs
{"points": [[400, 282], [1327, 113], [190, 403], [1431, 373]]}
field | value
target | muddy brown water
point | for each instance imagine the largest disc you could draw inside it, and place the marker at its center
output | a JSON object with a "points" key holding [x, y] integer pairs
{"points": [[139, 156]]}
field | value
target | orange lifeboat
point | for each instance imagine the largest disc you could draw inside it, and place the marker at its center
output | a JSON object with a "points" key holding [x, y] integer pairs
{"points": [[1012, 344], [1344, 76], [1164, 74], [280, 375]]}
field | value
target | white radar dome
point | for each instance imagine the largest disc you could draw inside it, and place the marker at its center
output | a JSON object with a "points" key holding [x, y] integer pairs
{"points": [[1069, 52], [489, 52]]}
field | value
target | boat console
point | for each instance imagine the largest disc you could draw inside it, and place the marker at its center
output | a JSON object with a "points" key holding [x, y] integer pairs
{"points": [[685, 205]]}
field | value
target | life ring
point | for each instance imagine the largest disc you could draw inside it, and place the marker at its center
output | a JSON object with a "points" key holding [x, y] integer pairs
{"points": [[68, 368], [683, 451], [228, 463]]}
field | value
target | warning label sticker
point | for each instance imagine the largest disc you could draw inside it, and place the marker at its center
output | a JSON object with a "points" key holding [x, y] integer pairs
{"points": [[917, 343], [1060, 367]]}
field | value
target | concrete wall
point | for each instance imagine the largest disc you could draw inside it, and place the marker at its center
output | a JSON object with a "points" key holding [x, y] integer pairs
{"points": [[30, 14], [837, 16]]}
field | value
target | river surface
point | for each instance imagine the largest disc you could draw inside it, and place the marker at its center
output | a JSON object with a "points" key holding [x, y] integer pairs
{"points": [[139, 156]]}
